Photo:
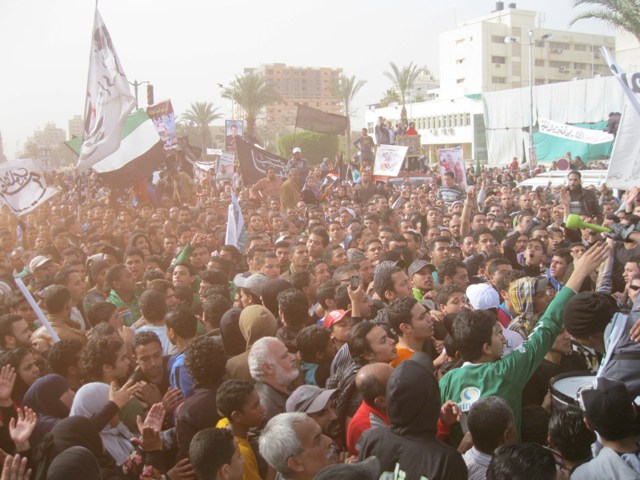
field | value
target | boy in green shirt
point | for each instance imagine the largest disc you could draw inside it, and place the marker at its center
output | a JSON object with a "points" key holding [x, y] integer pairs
{"points": [[479, 339]]}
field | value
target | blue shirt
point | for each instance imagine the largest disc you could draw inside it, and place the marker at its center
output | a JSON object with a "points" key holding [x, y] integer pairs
{"points": [[179, 376]]}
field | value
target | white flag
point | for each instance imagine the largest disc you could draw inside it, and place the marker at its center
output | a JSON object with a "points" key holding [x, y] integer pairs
{"points": [[109, 100], [22, 187], [236, 234], [629, 83]]}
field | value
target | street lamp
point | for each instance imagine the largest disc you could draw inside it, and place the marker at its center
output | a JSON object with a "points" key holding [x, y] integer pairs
{"points": [[136, 84], [509, 40]]}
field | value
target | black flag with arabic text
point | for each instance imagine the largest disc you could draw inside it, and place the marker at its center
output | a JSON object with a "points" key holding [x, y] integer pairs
{"points": [[254, 162], [321, 122]]}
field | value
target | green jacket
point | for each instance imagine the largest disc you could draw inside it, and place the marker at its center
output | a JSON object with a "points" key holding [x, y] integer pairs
{"points": [[507, 377]]}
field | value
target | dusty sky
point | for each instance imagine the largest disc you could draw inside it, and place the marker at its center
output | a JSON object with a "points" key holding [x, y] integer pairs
{"points": [[186, 47]]}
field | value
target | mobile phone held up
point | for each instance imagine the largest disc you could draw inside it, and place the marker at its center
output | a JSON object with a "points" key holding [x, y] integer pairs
{"points": [[355, 282]]}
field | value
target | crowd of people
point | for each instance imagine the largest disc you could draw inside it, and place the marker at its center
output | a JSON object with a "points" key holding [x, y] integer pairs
{"points": [[356, 331]]}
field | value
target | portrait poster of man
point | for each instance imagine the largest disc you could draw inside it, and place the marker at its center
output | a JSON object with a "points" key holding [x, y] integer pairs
{"points": [[233, 130], [451, 161]]}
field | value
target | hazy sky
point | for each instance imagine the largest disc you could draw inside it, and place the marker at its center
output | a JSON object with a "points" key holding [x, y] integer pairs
{"points": [[186, 47]]}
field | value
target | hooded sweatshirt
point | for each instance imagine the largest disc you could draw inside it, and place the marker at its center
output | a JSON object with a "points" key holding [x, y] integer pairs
{"points": [[409, 446], [256, 322]]}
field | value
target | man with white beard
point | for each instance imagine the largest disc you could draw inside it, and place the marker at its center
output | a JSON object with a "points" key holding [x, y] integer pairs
{"points": [[273, 369]]}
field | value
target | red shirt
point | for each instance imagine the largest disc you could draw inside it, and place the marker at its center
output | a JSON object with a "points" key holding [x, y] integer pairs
{"points": [[360, 423]]}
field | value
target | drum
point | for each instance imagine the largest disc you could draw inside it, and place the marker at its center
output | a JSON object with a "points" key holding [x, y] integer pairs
{"points": [[564, 387]]}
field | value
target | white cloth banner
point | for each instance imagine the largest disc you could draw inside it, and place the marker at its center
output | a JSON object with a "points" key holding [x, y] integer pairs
{"points": [[109, 101], [389, 160], [571, 132], [22, 187], [235, 234], [630, 85], [214, 151], [451, 161], [624, 164]]}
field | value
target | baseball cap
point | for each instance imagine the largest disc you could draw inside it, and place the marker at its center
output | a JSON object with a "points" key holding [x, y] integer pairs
{"points": [[541, 284], [309, 399], [483, 296], [253, 283], [608, 407], [297, 150], [38, 261], [335, 316], [418, 265], [368, 469]]}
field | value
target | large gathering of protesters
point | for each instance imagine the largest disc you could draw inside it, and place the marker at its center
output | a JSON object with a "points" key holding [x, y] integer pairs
{"points": [[357, 329]]}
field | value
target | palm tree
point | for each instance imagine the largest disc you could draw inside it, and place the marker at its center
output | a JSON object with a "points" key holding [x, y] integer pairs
{"points": [[346, 88], [622, 14], [388, 97], [200, 115], [252, 93], [403, 81]]}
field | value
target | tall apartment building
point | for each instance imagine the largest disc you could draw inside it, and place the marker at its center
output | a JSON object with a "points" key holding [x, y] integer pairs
{"points": [[48, 138], [474, 57], [76, 126], [308, 86]]}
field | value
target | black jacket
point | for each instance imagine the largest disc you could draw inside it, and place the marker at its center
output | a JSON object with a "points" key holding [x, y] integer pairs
{"points": [[410, 443]]}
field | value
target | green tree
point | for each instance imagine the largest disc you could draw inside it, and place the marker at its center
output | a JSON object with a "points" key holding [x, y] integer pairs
{"points": [[622, 14], [200, 115], [346, 88], [315, 146], [252, 93], [403, 79], [388, 97]]}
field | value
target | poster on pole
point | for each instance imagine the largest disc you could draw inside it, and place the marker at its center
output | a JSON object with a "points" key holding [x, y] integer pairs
{"points": [[451, 161], [226, 163], [233, 129], [164, 119], [389, 160]]}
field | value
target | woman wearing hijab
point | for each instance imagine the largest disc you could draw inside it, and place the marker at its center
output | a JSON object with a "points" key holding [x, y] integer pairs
{"points": [[51, 398], [74, 462], [81, 432], [116, 437]]}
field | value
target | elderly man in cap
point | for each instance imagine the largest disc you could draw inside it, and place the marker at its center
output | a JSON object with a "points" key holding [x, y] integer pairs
{"points": [[319, 404], [611, 413], [41, 267], [298, 163]]}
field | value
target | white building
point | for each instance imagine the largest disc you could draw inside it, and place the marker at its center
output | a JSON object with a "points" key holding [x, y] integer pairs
{"points": [[627, 52], [474, 57], [441, 124]]}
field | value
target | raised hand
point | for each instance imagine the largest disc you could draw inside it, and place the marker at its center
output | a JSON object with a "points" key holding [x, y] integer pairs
{"points": [[182, 471], [150, 439], [124, 395], [154, 418], [15, 468], [7, 381], [21, 429], [171, 399], [450, 413]]}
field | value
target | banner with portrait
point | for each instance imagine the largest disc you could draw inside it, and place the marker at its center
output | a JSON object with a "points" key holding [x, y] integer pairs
{"points": [[451, 160], [233, 129], [164, 119], [389, 160]]}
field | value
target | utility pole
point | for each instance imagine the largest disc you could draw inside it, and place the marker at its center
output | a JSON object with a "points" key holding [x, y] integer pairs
{"points": [[136, 84]]}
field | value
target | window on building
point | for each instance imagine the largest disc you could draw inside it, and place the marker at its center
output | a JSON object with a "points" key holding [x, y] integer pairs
{"points": [[580, 66], [497, 39], [580, 47], [499, 80], [498, 59], [460, 80], [460, 61], [467, 119], [540, 63]]}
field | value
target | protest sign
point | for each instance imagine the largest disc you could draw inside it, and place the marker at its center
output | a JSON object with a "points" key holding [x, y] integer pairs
{"points": [[451, 161], [389, 160]]}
